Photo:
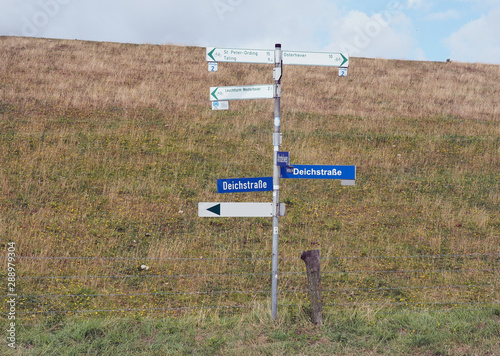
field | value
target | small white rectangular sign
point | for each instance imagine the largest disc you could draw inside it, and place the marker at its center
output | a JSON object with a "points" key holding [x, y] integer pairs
{"points": [[220, 105], [212, 66], [242, 92]]}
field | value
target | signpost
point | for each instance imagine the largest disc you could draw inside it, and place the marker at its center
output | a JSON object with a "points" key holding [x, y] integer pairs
{"points": [[281, 160], [277, 74], [242, 92]]}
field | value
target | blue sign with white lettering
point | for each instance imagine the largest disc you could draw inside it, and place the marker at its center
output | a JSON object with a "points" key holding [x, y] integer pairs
{"points": [[320, 172], [240, 185]]}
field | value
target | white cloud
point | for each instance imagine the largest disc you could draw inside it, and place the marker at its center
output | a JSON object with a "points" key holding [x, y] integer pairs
{"points": [[478, 40], [419, 5], [414, 3], [443, 16], [262, 23], [419, 55], [382, 35]]}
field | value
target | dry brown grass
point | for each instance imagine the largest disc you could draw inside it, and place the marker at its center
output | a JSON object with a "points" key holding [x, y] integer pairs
{"points": [[88, 74], [107, 148]]}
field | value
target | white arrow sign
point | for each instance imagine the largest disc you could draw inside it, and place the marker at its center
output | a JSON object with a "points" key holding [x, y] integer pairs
{"points": [[235, 209], [239, 55], [316, 59], [242, 92], [238, 210]]}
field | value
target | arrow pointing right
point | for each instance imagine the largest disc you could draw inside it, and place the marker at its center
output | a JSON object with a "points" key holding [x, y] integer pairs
{"points": [[344, 60], [215, 209]]}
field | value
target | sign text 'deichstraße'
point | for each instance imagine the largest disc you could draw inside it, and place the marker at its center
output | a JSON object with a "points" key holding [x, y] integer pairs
{"points": [[319, 172], [240, 185]]}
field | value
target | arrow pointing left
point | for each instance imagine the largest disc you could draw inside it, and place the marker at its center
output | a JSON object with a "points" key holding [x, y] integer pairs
{"points": [[215, 209], [241, 210], [213, 93], [211, 54]]}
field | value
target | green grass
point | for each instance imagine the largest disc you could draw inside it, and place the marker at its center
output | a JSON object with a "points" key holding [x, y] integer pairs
{"points": [[456, 332]]}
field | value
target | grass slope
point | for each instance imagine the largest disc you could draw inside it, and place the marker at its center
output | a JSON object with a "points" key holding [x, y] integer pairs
{"points": [[106, 149]]}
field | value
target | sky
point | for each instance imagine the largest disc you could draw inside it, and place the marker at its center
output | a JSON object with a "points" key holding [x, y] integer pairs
{"points": [[430, 30]]}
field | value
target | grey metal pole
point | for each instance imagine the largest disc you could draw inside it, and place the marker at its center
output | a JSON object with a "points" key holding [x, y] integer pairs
{"points": [[276, 177]]}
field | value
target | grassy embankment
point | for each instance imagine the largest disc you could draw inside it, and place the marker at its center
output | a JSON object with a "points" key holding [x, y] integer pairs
{"points": [[106, 149]]}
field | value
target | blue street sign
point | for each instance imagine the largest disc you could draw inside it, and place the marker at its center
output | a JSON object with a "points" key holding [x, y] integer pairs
{"points": [[240, 185], [320, 172], [283, 159]]}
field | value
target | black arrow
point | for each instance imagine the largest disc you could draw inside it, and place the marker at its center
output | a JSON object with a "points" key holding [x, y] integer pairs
{"points": [[215, 209]]}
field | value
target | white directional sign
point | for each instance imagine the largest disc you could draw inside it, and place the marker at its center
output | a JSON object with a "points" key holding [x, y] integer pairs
{"points": [[240, 55], [258, 210], [242, 92], [267, 57], [316, 59]]}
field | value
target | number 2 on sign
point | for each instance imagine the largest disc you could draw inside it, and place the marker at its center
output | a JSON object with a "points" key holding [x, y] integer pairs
{"points": [[212, 67]]}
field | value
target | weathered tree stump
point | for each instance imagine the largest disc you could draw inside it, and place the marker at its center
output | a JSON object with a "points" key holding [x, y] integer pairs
{"points": [[311, 259]]}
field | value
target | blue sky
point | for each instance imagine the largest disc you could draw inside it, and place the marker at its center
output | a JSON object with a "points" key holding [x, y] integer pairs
{"points": [[462, 30]]}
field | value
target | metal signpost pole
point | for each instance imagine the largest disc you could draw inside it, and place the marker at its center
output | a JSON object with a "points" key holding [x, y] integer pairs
{"points": [[276, 178]]}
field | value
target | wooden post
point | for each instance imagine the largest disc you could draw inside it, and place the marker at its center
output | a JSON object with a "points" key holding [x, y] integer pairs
{"points": [[311, 259]]}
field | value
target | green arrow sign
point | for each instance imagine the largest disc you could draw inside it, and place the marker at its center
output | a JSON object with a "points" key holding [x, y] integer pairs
{"points": [[345, 60], [212, 94], [211, 55]]}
